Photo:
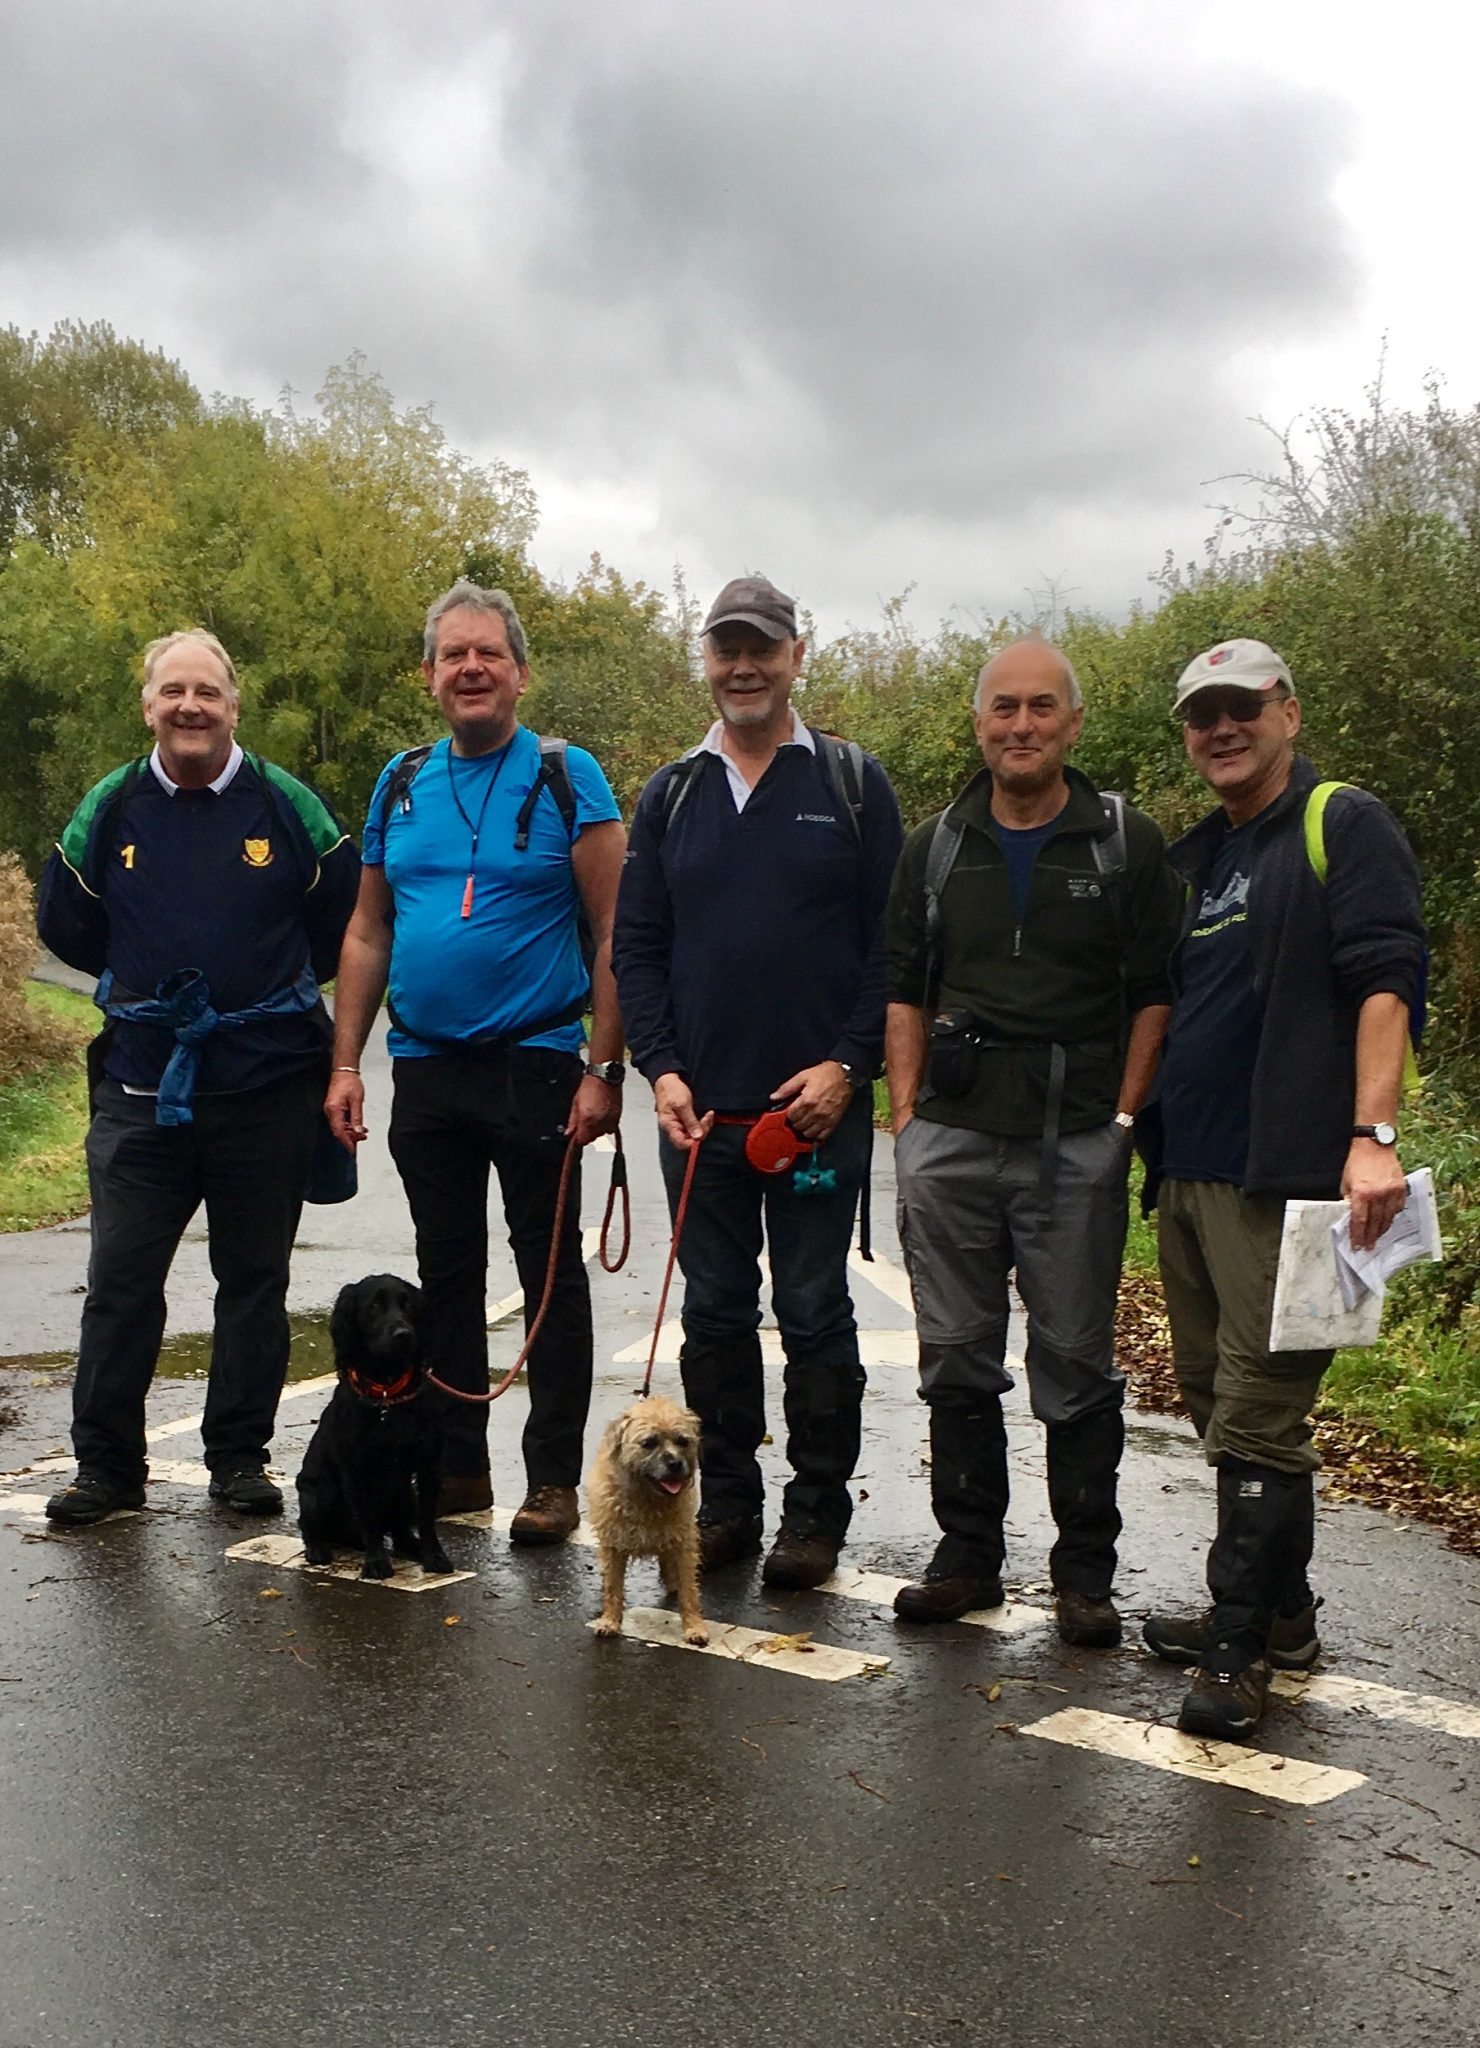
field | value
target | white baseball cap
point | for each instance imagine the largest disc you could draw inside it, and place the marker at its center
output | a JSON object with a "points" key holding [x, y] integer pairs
{"points": [[1233, 665]]}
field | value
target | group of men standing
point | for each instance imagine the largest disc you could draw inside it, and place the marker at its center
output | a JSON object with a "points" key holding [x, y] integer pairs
{"points": [[763, 942]]}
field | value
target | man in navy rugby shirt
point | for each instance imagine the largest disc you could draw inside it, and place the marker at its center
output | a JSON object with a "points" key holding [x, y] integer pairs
{"points": [[749, 958], [210, 891], [475, 875]]}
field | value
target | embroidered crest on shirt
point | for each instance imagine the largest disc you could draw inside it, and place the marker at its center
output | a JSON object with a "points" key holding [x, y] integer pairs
{"points": [[257, 853]]}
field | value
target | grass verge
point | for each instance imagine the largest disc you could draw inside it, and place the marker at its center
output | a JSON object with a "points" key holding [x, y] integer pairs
{"points": [[43, 1120], [1398, 1424]]}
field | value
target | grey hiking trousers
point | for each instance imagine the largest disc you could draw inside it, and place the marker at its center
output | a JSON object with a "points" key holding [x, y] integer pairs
{"points": [[970, 1211]]}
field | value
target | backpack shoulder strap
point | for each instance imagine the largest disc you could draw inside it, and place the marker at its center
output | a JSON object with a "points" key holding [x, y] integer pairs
{"points": [[554, 775], [1315, 853], [945, 844], [398, 789], [1111, 857], [843, 760], [1315, 825], [677, 784]]}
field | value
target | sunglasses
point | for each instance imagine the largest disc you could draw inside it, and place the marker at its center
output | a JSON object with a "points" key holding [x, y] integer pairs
{"points": [[1204, 710]]}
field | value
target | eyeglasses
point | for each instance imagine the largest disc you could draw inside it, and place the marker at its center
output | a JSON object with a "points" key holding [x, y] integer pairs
{"points": [[1204, 710]]}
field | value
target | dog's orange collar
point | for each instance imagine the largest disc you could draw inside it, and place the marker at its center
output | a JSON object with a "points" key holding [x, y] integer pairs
{"points": [[404, 1389]]}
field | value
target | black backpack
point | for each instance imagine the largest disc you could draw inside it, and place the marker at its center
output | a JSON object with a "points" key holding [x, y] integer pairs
{"points": [[842, 759], [554, 775]]}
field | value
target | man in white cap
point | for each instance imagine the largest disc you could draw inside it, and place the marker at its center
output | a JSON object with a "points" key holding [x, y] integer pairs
{"points": [[1296, 977]]}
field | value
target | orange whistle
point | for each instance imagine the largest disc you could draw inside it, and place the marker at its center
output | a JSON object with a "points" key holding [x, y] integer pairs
{"points": [[467, 907]]}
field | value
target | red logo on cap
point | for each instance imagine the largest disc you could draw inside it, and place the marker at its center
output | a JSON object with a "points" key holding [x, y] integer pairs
{"points": [[1220, 654]]}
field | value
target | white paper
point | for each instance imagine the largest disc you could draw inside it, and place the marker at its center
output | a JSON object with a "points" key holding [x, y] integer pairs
{"points": [[1310, 1311], [1412, 1235]]}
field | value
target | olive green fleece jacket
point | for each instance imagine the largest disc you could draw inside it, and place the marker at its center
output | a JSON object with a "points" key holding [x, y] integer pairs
{"points": [[1090, 952]]}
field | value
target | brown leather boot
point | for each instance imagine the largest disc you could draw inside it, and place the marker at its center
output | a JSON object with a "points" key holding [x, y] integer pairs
{"points": [[947, 1597], [549, 1515]]}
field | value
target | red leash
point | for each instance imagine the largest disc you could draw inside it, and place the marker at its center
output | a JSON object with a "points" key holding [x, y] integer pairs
{"points": [[678, 1220], [619, 1180]]}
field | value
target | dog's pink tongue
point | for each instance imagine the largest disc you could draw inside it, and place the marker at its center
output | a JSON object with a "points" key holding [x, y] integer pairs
{"points": [[671, 1485]]}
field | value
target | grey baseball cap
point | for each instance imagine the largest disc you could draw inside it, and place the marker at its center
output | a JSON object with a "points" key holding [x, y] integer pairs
{"points": [[754, 601]]}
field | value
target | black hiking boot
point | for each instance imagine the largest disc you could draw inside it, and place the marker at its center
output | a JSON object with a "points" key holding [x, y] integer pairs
{"points": [[1294, 1644], [91, 1497], [1225, 1705]]}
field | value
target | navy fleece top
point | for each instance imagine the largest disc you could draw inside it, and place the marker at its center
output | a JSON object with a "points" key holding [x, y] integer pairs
{"points": [[749, 944]]}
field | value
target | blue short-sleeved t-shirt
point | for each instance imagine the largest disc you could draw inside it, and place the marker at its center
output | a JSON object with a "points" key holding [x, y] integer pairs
{"points": [[516, 957]]}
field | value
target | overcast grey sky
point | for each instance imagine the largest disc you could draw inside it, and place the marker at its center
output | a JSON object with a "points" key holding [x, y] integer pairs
{"points": [[971, 297]]}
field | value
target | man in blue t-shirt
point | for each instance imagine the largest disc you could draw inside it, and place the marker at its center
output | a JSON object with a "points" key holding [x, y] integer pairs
{"points": [[749, 953], [469, 918]]}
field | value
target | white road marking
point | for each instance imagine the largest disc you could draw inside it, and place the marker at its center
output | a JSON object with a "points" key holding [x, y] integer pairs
{"points": [[31, 1505], [890, 1280], [751, 1646], [1387, 1702], [282, 1553], [1285, 1778], [1012, 1618], [875, 1347]]}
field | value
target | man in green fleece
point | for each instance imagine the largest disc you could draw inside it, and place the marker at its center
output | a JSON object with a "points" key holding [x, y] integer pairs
{"points": [[1029, 930]]}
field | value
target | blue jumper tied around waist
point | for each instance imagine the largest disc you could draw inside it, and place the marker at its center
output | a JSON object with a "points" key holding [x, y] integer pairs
{"points": [[182, 1004]]}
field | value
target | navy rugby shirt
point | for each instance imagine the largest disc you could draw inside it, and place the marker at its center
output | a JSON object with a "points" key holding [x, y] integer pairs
{"points": [[749, 944], [236, 882]]}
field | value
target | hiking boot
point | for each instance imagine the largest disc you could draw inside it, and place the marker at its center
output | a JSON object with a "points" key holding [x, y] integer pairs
{"points": [[246, 1488], [463, 1493], [1090, 1624], [946, 1597], [722, 1543], [798, 1562], [549, 1515], [91, 1496], [1181, 1639], [1226, 1705]]}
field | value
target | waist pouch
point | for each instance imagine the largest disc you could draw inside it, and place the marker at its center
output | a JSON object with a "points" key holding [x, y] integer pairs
{"points": [[955, 1054]]}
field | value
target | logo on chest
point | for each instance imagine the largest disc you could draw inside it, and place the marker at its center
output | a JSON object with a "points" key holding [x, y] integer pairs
{"points": [[257, 853], [1082, 888]]}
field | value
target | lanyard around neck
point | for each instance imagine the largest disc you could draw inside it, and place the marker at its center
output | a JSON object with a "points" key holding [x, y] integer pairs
{"points": [[474, 828]]}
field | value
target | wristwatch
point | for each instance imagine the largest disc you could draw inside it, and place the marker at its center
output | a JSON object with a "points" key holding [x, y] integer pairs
{"points": [[1124, 1118], [1383, 1134], [854, 1076], [613, 1072]]}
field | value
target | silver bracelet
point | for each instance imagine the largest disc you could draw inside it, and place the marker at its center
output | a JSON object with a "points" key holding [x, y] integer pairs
{"points": [[344, 1070]]}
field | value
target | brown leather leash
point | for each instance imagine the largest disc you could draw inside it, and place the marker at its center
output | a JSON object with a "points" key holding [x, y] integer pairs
{"points": [[618, 1182], [678, 1221]]}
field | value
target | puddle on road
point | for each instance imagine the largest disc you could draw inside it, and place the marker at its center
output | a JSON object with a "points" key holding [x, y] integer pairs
{"points": [[188, 1357]]}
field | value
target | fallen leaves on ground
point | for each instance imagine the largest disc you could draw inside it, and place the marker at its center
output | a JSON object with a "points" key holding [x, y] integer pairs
{"points": [[801, 1642], [1362, 1464]]}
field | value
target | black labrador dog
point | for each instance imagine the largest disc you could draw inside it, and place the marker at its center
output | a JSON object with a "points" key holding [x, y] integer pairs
{"points": [[373, 1466]]}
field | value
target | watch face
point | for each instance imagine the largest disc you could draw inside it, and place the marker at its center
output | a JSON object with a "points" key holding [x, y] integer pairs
{"points": [[1385, 1134]]}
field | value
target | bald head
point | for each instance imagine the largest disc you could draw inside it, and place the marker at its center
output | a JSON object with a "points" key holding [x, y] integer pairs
{"points": [[1035, 663]]}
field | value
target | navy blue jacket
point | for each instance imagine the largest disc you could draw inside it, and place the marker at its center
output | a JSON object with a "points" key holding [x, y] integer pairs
{"points": [[750, 944], [1320, 949]]}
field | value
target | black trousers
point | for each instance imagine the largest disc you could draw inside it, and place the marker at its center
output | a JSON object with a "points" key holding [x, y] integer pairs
{"points": [[454, 1115], [246, 1156]]}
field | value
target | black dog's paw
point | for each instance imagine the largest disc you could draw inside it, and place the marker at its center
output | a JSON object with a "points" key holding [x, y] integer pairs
{"points": [[434, 1558], [376, 1566], [317, 1553]]}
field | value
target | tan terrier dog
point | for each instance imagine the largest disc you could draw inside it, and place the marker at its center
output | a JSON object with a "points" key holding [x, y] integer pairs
{"points": [[640, 1503]]}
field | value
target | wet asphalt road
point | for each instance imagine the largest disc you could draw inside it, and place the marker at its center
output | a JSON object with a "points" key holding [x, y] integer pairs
{"points": [[238, 1802]]}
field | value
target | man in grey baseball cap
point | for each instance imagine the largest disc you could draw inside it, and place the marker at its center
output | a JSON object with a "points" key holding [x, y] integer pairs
{"points": [[1299, 966], [749, 959]]}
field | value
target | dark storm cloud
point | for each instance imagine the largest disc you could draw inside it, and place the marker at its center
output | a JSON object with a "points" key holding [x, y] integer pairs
{"points": [[869, 292]]}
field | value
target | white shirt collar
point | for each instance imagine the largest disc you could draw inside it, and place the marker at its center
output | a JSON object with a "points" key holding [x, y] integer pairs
{"points": [[233, 762], [739, 787]]}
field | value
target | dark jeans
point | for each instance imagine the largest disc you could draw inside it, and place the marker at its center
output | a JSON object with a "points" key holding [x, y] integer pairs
{"points": [[246, 1156], [808, 1236], [454, 1115]]}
